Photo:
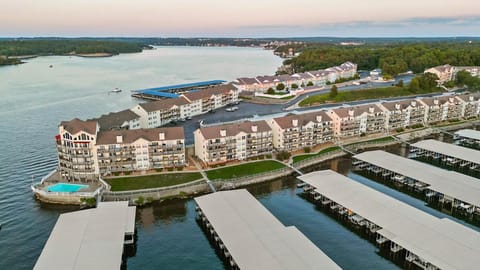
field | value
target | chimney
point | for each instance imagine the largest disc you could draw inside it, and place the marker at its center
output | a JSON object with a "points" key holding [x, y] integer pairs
{"points": [[254, 128], [470, 98], [119, 139], [414, 103], [371, 109], [435, 101], [397, 106], [451, 100], [223, 132], [161, 136], [351, 112], [294, 122], [319, 118]]}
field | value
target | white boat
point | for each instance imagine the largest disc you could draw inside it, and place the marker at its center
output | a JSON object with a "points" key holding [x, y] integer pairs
{"points": [[116, 90]]}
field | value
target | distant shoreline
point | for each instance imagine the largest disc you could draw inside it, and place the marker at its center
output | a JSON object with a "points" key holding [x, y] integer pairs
{"points": [[93, 55]]}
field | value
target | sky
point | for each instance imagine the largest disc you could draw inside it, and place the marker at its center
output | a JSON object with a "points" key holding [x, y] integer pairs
{"points": [[244, 18]]}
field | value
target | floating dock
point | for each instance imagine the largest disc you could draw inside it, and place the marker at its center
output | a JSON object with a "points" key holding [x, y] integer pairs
{"points": [[468, 137], [250, 237], [420, 238], [450, 154], [172, 91], [449, 187], [89, 239]]}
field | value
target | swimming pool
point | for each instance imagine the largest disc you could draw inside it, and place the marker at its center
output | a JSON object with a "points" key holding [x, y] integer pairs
{"points": [[62, 187]]}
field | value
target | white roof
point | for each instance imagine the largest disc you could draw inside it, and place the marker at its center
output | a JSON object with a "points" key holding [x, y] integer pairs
{"points": [[469, 133], [451, 150], [255, 238], [444, 243], [450, 183], [87, 239]]}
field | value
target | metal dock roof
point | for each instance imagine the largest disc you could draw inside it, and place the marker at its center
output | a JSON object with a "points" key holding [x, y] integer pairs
{"points": [[180, 86], [446, 244], [255, 238], [457, 185], [451, 150], [469, 133], [88, 239]]}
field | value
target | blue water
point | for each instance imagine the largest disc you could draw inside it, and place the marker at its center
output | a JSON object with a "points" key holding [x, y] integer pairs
{"points": [[62, 187]]}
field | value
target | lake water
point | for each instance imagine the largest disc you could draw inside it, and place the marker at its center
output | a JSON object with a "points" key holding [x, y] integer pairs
{"points": [[35, 98]]}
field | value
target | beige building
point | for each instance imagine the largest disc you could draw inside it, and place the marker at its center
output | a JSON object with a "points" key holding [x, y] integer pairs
{"points": [[442, 108], [404, 113], [444, 73], [471, 105], [239, 141], [303, 130], [158, 113], [76, 150], [140, 150], [357, 120], [211, 98]]}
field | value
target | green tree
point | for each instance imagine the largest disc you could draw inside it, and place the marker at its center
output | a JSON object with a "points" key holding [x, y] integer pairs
{"points": [[310, 83], [280, 86], [270, 91], [414, 84], [294, 86], [333, 91], [400, 83]]}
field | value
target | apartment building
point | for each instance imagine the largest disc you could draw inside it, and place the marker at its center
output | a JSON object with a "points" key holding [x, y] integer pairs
{"points": [[404, 113], [210, 99], [444, 73], [354, 121], [125, 119], [442, 108], [140, 149], [471, 105], [157, 113], [239, 141], [76, 150], [293, 132]]}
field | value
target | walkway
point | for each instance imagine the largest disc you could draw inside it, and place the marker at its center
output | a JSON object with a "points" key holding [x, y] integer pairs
{"points": [[202, 172]]}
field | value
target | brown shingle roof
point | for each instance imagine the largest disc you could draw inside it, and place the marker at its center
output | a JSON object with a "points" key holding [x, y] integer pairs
{"points": [[467, 97], [206, 93], [76, 125], [115, 120], [403, 104], [130, 136], [164, 104], [303, 119], [213, 132], [357, 110]]}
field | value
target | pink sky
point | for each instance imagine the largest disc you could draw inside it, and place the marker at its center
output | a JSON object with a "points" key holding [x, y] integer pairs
{"points": [[239, 18]]}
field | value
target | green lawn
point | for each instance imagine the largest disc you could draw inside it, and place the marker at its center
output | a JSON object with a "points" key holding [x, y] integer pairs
{"points": [[321, 152], [345, 96], [244, 169], [151, 181]]}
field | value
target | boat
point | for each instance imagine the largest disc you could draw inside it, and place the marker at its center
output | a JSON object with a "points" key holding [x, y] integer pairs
{"points": [[116, 90], [51, 66], [231, 109]]}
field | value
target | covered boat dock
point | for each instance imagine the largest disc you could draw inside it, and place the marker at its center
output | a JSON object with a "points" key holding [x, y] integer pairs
{"points": [[173, 91], [89, 239], [250, 237], [460, 191], [419, 238], [468, 137]]}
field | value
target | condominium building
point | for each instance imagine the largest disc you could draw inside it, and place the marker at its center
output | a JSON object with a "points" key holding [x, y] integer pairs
{"points": [[157, 113], [239, 141], [85, 152], [125, 119], [354, 121], [139, 150], [471, 105], [211, 98], [76, 150], [444, 73], [442, 108], [404, 113], [303, 130]]}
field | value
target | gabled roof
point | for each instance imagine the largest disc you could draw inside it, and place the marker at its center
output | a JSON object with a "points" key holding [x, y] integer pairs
{"points": [[207, 93], [404, 104], [164, 104], [303, 119], [357, 110], [76, 125], [115, 120], [130, 136], [213, 132]]}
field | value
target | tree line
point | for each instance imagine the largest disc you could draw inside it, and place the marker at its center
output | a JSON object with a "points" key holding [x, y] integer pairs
{"points": [[391, 58], [66, 46]]}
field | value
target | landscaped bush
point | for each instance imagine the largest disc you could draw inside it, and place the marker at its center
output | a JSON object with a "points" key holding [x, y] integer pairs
{"points": [[307, 150], [127, 173], [140, 201], [400, 130], [170, 169], [283, 155], [180, 168], [416, 126], [268, 155], [159, 170]]}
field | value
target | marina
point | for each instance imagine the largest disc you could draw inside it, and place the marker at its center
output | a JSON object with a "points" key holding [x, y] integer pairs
{"points": [[449, 154], [173, 91], [452, 190], [250, 237], [410, 236], [90, 239], [468, 138]]}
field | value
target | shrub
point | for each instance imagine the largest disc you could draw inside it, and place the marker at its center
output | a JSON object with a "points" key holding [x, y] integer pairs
{"points": [[159, 170], [362, 134], [116, 173], [170, 169], [294, 86], [268, 156], [310, 83], [89, 201], [283, 155], [270, 91], [140, 201], [280, 86], [149, 199], [261, 157], [416, 126], [127, 172], [307, 149], [400, 130], [180, 168]]}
